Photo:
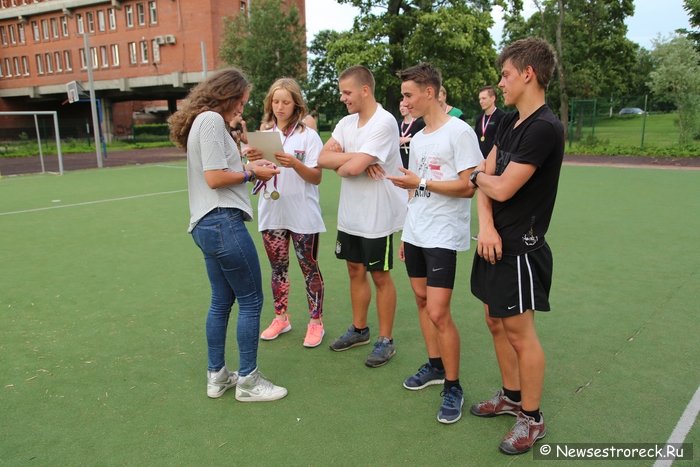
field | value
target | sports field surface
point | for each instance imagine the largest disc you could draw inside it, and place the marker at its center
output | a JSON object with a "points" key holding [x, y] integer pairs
{"points": [[103, 297]]}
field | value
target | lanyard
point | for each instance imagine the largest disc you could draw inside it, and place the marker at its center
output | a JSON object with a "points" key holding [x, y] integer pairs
{"points": [[408, 128], [260, 185], [484, 125]]}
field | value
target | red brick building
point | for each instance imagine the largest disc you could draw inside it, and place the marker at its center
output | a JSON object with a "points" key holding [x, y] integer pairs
{"points": [[145, 54]]}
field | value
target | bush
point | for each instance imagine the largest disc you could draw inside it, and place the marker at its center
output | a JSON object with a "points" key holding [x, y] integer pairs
{"points": [[151, 129]]}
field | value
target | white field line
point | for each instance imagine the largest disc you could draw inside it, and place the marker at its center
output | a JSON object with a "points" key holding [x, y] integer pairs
{"points": [[685, 423], [87, 203], [170, 166]]}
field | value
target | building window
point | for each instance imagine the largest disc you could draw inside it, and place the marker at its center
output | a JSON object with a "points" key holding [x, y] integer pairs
{"points": [[20, 30], [68, 60], [54, 28], [156, 52], [25, 65], [244, 7], [152, 12], [39, 64], [112, 14], [115, 54], [1, 75], [90, 16], [141, 14], [49, 64], [79, 23], [15, 62], [13, 36], [132, 53], [3, 35], [93, 53], [104, 57], [101, 26], [57, 60], [8, 70], [129, 14], [64, 26], [35, 31], [83, 62], [144, 51], [45, 29]]}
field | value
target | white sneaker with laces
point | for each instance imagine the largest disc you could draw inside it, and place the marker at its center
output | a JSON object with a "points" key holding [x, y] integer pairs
{"points": [[256, 388], [218, 382]]}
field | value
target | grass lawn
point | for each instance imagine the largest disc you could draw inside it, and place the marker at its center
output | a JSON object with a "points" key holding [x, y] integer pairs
{"points": [[623, 135], [103, 298]]}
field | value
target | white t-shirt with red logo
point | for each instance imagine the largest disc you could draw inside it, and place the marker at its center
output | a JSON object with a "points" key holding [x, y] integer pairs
{"points": [[434, 220]]}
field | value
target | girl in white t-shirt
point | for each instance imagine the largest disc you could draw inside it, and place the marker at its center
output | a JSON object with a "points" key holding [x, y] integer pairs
{"points": [[288, 207]]}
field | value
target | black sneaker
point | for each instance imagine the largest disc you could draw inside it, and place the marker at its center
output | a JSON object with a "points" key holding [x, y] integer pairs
{"points": [[383, 351], [350, 339]]}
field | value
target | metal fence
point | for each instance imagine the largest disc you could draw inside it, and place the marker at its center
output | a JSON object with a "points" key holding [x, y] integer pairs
{"points": [[632, 122]]}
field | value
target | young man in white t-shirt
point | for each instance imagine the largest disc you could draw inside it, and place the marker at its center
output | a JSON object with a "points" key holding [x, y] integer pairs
{"points": [[441, 159], [370, 210]]}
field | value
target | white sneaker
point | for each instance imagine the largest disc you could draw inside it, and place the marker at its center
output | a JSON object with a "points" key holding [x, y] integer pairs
{"points": [[220, 381], [256, 388]]}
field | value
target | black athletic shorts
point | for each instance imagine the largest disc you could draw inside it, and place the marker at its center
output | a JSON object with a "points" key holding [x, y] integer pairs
{"points": [[438, 265], [377, 254], [514, 284]]}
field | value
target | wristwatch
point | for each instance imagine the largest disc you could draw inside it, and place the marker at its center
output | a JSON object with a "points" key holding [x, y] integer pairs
{"points": [[252, 176], [472, 177], [422, 185]]}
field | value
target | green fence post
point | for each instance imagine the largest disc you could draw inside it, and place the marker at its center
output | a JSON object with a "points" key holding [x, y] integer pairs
{"points": [[571, 122], [644, 120], [595, 116]]}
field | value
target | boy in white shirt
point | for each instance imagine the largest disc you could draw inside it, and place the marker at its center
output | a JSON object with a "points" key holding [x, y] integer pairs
{"points": [[370, 210], [441, 159]]}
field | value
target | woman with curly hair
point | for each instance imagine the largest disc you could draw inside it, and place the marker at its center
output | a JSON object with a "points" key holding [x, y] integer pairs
{"points": [[219, 206], [289, 208]]}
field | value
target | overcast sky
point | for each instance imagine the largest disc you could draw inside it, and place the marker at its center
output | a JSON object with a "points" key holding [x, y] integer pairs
{"points": [[651, 18]]}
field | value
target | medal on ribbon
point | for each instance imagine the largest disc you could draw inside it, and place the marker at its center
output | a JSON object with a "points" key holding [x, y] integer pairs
{"points": [[485, 124]]}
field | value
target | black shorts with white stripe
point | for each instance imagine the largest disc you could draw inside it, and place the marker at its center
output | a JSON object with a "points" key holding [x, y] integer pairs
{"points": [[514, 284]]}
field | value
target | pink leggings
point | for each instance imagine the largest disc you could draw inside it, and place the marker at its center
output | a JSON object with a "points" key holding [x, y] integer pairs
{"points": [[306, 247]]}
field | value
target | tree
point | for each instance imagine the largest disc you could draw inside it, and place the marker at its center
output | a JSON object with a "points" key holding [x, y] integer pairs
{"points": [[590, 39], [677, 76], [389, 35], [693, 9], [322, 87], [268, 44]]}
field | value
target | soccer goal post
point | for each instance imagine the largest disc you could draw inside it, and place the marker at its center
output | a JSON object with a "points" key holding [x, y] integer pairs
{"points": [[36, 114]]}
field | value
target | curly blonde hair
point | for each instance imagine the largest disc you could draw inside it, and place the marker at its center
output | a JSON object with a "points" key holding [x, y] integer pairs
{"points": [[218, 93], [290, 85]]}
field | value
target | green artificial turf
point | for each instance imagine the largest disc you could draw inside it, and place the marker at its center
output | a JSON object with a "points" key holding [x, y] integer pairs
{"points": [[103, 355]]}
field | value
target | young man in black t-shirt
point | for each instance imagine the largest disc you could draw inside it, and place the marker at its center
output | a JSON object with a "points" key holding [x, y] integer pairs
{"points": [[512, 270], [487, 121]]}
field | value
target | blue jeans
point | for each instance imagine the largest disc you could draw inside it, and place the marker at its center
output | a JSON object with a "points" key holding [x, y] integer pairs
{"points": [[234, 273]]}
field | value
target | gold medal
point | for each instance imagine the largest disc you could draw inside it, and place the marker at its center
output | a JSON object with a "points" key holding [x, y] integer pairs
{"points": [[483, 138], [275, 195]]}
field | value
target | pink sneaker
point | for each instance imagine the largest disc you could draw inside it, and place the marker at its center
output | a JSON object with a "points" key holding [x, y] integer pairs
{"points": [[314, 335], [278, 326]]}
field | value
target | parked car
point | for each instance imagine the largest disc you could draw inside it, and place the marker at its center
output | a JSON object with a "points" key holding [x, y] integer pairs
{"points": [[631, 111]]}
